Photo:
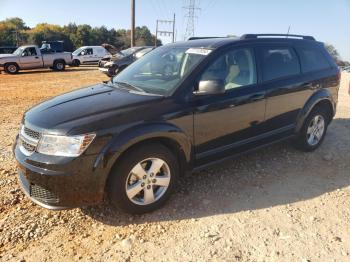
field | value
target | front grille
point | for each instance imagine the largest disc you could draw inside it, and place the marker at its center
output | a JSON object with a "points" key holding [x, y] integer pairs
{"points": [[30, 148], [29, 140], [31, 133], [43, 195]]}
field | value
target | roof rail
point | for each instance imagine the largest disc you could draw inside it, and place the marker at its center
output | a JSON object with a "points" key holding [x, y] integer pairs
{"points": [[254, 36], [203, 37]]}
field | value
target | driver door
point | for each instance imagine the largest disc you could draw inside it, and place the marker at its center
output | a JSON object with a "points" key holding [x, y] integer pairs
{"points": [[30, 59], [224, 122]]}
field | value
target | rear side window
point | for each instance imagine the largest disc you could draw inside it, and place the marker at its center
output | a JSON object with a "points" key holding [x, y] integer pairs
{"points": [[278, 62], [312, 60]]}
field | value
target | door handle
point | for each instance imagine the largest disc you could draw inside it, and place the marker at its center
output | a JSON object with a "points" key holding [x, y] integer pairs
{"points": [[311, 86], [36, 57], [257, 97]]}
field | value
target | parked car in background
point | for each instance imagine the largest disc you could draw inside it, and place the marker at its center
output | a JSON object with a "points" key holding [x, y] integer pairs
{"points": [[30, 57], [89, 55], [346, 69], [111, 66], [130, 139], [7, 49]]}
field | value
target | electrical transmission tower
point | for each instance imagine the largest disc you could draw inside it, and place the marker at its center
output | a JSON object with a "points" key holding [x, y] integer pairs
{"points": [[191, 16]]}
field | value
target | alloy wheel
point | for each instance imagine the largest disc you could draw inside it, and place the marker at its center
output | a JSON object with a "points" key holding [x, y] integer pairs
{"points": [[12, 68], [148, 181], [315, 130]]}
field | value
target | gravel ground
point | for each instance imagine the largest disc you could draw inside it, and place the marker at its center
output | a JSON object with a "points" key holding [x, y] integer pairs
{"points": [[276, 204]]}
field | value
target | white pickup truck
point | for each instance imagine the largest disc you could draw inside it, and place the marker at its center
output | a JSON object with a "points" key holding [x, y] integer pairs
{"points": [[31, 57]]}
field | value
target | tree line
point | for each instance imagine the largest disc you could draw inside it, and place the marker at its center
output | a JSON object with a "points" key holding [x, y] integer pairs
{"points": [[14, 32]]}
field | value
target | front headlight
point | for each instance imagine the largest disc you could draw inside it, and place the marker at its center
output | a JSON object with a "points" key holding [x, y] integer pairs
{"points": [[109, 64], [71, 146]]}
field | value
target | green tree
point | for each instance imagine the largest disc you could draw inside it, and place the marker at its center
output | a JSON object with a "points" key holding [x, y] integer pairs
{"points": [[333, 51], [13, 31], [73, 35]]}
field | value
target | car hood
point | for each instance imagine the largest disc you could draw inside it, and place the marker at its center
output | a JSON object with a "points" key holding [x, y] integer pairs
{"points": [[85, 106], [6, 55], [119, 57]]}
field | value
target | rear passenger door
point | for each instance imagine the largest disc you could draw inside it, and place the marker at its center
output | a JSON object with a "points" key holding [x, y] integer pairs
{"points": [[286, 90]]}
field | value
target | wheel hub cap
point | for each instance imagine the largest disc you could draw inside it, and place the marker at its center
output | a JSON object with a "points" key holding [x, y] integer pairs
{"points": [[148, 181], [315, 130]]}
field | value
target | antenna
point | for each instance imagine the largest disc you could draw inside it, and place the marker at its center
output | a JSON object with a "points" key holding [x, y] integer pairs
{"points": [[288, 31], [190, 15]]}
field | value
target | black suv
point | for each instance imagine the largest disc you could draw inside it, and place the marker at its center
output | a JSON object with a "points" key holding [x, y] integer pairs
{"points": [[182, 107]]}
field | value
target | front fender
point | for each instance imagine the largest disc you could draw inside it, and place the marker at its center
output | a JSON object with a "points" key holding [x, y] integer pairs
{"points": [[12, 59], [136, 134], [317, 97]]}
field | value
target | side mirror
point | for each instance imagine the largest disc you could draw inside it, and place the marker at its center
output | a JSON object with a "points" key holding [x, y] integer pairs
{"points": [[210, 87]]}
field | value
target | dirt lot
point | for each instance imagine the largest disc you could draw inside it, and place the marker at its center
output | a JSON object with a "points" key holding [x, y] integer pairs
{"points": [[277, 204]]}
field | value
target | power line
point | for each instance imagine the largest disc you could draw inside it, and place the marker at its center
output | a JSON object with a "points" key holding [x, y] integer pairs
{"points": [[165, 32], [190, 16]]}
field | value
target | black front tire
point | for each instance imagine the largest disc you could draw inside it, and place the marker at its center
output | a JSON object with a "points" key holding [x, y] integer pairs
{"points": [[116, 184], [76, 62], [302, 138], [11, 68]]}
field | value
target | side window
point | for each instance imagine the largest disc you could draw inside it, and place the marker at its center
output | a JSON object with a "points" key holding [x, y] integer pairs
{"points": [[235, 68], [312, 60], [30, 51], [89, 51], [278, 62]]}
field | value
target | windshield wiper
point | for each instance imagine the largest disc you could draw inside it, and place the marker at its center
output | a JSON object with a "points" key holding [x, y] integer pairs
{"points": [[130, 86]]}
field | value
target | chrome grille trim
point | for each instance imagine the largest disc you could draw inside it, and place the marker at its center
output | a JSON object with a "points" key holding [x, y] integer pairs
{"points": [[28, 141]]}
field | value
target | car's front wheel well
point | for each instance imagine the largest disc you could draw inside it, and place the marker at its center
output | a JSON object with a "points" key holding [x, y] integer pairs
{"points": [[172, 145]]}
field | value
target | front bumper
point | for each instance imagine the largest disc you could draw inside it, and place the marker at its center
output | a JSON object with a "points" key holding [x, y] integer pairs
{"points": [[108, 71], [60, 182]]}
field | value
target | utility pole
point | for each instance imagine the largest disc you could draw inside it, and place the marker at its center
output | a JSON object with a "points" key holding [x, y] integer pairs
{"points": [[16, 32], [132, 23], [155, 39], [174, 29], [191, 9], [164, 32]]}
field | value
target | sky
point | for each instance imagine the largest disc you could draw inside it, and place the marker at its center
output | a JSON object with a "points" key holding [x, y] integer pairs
{"points": [[326, 20]]}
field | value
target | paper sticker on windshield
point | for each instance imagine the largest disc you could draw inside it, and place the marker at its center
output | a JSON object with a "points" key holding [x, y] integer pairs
{"points": [[198, 51]]}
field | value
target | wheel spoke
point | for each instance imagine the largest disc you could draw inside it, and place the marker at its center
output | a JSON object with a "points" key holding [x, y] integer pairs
{"points": [[162, 181], [133, 190], [148, 196], [310, 129], [156, 165], [311, 138], [139, 171]]}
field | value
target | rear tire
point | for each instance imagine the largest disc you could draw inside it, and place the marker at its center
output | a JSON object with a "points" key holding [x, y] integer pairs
{"points": [[59, 65], [314, 130], [11, 68], [143, 180]]}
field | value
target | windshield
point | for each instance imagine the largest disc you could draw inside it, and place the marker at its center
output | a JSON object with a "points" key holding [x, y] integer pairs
{"points": [[18, 51], [76, 52], [160, 71]]}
